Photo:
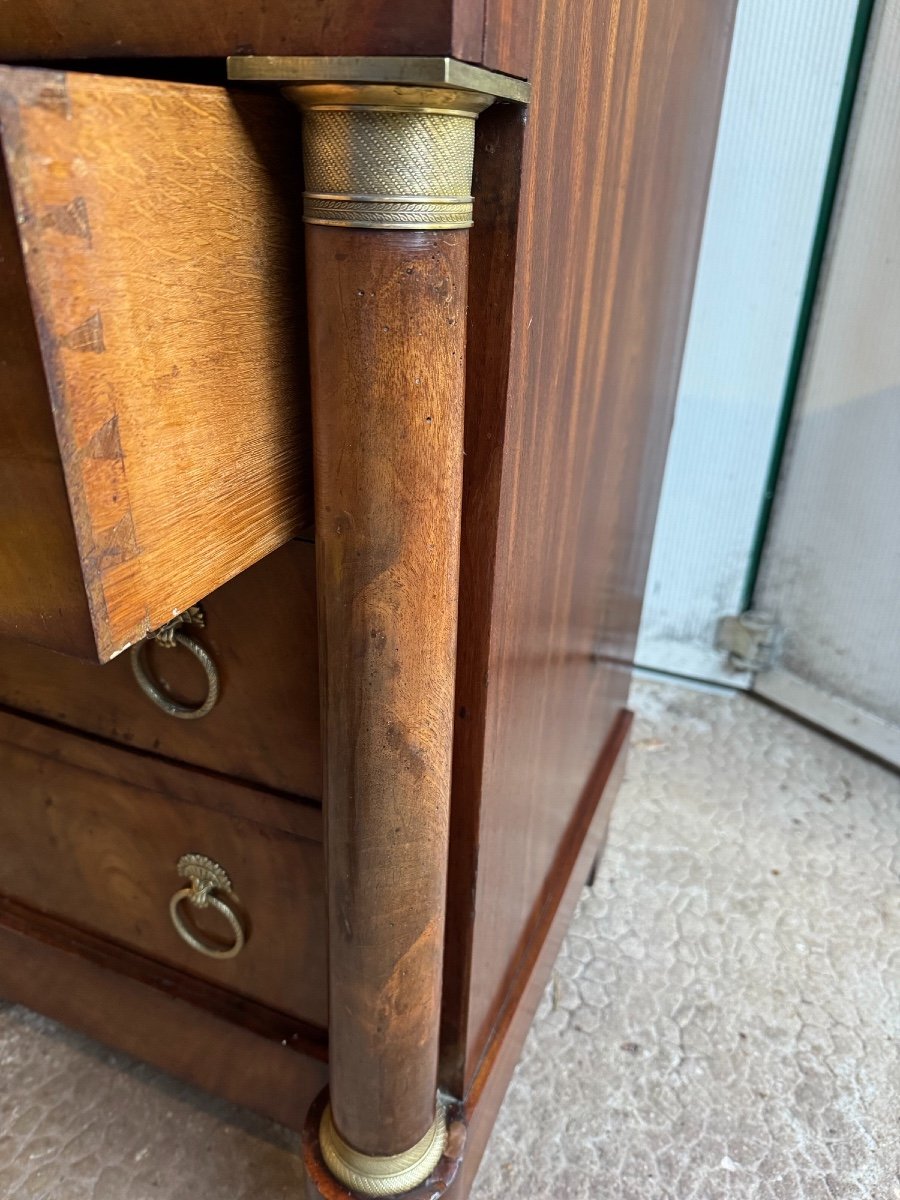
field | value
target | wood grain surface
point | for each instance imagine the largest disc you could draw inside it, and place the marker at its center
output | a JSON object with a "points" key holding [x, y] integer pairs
{"points": [[387, 337], [58, 29], [617, 153], [510, 30], [99, 852], [262, 633], [163, 257]]}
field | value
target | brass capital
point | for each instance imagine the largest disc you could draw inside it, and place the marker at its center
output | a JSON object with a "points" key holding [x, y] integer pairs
{"points": [[388, 142], [387, 156]]}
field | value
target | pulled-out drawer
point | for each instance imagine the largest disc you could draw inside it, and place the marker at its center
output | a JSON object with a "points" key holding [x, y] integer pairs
{"points": [[153, 379], [105, 839], [261, 633]]}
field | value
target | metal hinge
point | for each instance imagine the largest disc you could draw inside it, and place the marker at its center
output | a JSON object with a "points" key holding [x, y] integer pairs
{"points": [[752, 640]]}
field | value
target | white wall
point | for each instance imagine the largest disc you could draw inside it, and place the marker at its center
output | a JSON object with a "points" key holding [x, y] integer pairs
{"points": [[781, 100], [831, 568]]}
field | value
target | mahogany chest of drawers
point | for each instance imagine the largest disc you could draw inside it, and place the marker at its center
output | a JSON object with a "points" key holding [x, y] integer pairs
{"points": [[327, 483]]}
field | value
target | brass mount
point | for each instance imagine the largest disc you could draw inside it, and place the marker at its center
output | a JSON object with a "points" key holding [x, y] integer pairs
{"points": [[388, 143]]}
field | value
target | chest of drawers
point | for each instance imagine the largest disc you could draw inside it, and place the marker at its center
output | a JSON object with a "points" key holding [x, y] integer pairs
{"points": [[394, 412]]}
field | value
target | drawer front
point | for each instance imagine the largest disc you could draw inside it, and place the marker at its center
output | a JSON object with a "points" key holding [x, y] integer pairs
{"points": [[93, 835], [153, 378], [261, 633]]}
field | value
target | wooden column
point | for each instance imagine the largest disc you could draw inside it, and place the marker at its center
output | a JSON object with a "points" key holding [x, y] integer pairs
{"points": [[388, 173]]}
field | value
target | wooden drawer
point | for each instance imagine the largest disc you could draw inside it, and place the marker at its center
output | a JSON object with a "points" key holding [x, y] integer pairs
{"points": [[92, 835], [261, 632], [153, 378]]}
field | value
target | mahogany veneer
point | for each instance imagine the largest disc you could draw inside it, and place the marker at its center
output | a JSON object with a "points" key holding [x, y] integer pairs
{"points": [[441, 698]]}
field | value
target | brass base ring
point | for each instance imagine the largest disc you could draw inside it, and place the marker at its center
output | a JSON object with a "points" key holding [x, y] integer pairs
{"points": [[382, 1176], [151, 688]]}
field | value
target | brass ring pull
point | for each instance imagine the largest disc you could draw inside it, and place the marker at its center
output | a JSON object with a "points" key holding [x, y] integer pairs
{"points": [[206, 879], [171, 636]]}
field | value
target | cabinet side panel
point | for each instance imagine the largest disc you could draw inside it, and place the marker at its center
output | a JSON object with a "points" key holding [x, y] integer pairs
{"points": [[618, 153]]}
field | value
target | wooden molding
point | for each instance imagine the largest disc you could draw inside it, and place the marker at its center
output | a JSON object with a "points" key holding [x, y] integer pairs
{"points": [[236, 1048]]}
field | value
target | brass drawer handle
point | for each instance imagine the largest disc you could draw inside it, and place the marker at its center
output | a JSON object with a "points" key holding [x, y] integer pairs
{"points": [[206, 879], [170, 636]]}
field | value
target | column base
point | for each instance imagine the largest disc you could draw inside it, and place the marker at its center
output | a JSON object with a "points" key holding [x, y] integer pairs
{"points": [[337, 1172]]}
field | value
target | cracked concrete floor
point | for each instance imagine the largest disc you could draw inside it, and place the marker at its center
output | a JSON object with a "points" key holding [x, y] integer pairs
{"points": [[723, 1022]]}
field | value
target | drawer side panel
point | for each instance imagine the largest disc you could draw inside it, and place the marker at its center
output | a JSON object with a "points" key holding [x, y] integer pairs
{"points": [[165, 268], [42, 597]]}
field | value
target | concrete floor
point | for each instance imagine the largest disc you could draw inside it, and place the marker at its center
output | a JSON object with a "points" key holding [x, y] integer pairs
{"points": [[723, 1022]]}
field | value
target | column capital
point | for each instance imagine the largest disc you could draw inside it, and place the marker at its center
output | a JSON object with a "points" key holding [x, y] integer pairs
{"points": [[388, 143], [387, 156]]}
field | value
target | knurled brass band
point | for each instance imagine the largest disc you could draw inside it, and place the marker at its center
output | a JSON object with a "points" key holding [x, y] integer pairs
{"points": [[380, 156], [382, 1176]]}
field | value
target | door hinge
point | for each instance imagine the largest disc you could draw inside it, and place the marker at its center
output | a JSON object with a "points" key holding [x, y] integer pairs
{"points": [[752, 640]]}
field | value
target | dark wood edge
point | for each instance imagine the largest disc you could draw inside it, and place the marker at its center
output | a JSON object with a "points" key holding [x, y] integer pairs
{"points": [[468, 31], [540, 947], [137, 768], [499, 136], [236, 1048]]}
